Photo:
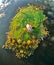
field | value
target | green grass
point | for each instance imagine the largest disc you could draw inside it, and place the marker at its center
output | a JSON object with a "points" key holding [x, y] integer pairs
{"points": [[28, 15]]}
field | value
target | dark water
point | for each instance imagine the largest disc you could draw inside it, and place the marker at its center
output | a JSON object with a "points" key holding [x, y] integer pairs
{"points": [[44, 54]]}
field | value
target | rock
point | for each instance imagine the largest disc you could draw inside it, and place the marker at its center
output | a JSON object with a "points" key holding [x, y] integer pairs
{"points": [[50, 14], [52, 21], [29, 27], [52, 9], [44, 45], [52, 38], [51, 3]]}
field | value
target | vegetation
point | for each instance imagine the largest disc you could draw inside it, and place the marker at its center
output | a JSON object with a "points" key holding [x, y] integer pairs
{"points": [[26, 31]]}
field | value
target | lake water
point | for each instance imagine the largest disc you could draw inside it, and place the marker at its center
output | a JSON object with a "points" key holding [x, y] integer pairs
{"points": [[43, 55]]}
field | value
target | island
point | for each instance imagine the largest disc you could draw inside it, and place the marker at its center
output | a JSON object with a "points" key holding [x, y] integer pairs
{"points": [[26, 30]]}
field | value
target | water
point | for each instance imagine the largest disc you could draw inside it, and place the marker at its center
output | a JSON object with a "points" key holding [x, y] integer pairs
{"points": [[44, 55]]}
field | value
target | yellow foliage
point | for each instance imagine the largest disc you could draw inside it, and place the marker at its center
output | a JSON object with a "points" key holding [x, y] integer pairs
{"points": [[21, 51], [28, 42], [13, 42], [19, 40], [24, 29], [33, 41], [37, 8], [46, 32], [24, 42]]}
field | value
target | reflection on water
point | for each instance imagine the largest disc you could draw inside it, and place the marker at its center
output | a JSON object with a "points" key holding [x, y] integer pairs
{"points": [[43, 55]]}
